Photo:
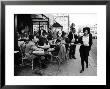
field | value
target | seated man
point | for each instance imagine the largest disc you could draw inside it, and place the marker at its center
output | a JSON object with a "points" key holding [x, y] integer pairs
{"points": [[49, 37], [43, 42], [30, 47], [36, 39]]}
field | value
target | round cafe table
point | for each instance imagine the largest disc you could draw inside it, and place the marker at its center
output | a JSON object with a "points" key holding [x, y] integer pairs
{"points": [[40, 54]]}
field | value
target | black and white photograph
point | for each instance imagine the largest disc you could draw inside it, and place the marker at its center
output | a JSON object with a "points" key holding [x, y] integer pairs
{"points": [[55, 44]]}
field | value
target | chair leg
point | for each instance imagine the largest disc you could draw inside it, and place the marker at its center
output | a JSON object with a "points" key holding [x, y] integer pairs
{"points": [[58, 64], [32, 65], [68, 55], [22, 62], [51, 58]]}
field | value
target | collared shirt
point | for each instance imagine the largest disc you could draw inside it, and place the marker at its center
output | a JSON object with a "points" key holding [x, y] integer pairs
{"points": [[73, 35], [86, 40], [41, 32], [73, 40]]}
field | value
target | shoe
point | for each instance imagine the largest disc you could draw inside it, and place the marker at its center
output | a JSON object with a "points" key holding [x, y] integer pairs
{"points": [[38, 73], [86, 66], [74, 57], [81, 71], [70, 57]]}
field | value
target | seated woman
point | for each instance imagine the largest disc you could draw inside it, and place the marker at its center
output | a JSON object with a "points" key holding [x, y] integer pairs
{"points": [[59, 50], [63, 52], [56, 49]]}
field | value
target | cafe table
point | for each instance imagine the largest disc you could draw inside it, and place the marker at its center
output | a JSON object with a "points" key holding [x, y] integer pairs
{"points": [[40, 53]]}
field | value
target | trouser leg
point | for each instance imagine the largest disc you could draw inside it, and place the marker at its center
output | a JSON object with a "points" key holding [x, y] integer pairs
{"points": [[86, 60], [73, 50], [82, 63], [70, 52], [86, 56]]}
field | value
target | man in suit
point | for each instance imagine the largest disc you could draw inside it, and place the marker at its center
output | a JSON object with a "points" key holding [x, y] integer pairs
{"points": [[73, 40], [41, 31]]}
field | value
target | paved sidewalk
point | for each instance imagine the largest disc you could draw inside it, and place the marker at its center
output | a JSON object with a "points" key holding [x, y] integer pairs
{"points": [[73, 67]]}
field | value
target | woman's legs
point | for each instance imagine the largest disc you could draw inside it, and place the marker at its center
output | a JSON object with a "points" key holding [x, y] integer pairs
{"points": [[86, 60], [86, 56], [82, 63], [82, 58], [70, 52]]}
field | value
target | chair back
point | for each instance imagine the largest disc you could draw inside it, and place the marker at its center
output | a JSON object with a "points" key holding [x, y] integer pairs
{"points": [[62, 52], [22, 49]]}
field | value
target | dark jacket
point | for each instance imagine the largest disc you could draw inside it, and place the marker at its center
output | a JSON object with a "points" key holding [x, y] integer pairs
{"points": [[90, 41], [56, 51], [40, 32], [49, 37], [42, 40], [70, 36]]}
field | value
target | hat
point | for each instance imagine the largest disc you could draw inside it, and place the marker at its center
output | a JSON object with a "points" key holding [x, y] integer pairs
{"points": [[86, 28]]}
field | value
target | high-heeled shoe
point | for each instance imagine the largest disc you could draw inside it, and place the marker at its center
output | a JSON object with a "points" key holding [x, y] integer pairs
{"points": [[81, 71]]}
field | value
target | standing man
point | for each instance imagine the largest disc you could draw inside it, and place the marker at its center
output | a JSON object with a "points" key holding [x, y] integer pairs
{"points": [[73, 41], [41, 31]]}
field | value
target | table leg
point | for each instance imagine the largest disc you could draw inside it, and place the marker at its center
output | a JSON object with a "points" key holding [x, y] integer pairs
{"points": [[32, 64]]}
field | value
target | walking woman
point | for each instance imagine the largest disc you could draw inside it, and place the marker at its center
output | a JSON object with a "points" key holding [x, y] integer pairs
{"points": [[86, 42]]}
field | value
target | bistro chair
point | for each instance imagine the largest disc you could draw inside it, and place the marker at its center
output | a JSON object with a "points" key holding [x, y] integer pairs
{"points": [[56, 59], [63, 54], [67, 51], [25, 58]]}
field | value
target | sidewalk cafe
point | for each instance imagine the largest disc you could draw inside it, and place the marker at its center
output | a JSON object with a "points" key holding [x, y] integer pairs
{"points": [[38, 49]]}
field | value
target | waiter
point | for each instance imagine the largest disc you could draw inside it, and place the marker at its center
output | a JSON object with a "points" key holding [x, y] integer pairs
{"points": [[41, 31], [73, 40]]}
